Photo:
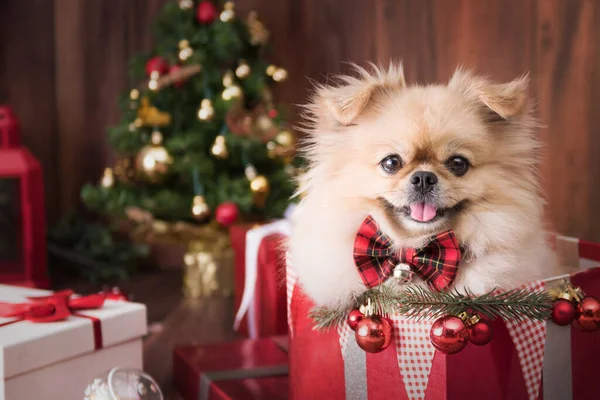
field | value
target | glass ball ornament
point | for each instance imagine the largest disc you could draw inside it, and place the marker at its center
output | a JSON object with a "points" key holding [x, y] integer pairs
{"points": [[373, 334], [588, 314], [123, 384], [206, 111], [449, 334], [153, 161], [200, 210], [243, 70]]}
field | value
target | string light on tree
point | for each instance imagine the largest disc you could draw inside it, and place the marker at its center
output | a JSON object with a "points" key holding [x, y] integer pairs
{"points": [[200, 209], [228, 12], [206, 111], [134, 96], [153, 161], [231, 91], [186, 4], [185, 51], [243, 70], [280, 75], [219, 147], [259, 186], [108, 179], [271, 70]]}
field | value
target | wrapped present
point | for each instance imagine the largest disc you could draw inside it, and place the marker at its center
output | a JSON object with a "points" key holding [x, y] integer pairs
{"points": [[245, 369], [259, 269], [208, 269], [525, 360], [53, 344]]}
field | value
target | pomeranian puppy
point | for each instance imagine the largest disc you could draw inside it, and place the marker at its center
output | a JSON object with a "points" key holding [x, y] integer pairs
{"points": [[421, 160]]}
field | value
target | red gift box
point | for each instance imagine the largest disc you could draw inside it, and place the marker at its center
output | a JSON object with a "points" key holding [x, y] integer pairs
{"points": [[553, 363], [241, 370], [260, 296]]}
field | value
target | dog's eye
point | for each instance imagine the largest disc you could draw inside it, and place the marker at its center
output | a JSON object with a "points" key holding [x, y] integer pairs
{"points": [[391, 164], [458, 165]]}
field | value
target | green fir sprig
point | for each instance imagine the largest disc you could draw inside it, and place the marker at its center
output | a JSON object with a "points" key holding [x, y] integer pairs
{"points": [[418, 302]]}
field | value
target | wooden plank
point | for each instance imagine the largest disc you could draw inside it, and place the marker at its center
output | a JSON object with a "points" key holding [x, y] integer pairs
{"points": [[27, 82], [567, 81]]}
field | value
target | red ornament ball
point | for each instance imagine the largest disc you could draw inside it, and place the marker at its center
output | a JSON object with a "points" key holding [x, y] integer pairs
{"points": [[172, 70], [354, 318], [157, 64], [206, 12], [588, 314], [373, 334], [563, 312], [449, 334], [226, 213], [480, 333], [114, 293]]}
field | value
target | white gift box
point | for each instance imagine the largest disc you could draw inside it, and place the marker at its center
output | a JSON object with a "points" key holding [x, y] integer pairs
{"points": [[57, 360]]}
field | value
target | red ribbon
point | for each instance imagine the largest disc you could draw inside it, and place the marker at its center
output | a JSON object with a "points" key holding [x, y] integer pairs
{"points": [[56, 307]]}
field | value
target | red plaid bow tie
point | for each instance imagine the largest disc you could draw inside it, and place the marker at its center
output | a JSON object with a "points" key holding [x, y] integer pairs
{"points": [[436, 262]]}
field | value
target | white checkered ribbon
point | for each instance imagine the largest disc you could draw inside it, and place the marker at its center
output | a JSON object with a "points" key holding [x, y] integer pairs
{"points": [[415, 354], [529, 337], [290, 283], [345, 333]]}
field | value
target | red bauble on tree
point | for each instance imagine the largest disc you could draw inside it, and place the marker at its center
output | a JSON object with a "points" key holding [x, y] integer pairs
{"points": [[156, 64], [206, 12], [588, 314], [354, 318], [373, 334], [226, 213], [449, 334], [480, 331], [563, 312]]}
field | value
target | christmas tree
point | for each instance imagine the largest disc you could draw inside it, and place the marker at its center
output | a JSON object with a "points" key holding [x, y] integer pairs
{"points": [[201, 132]]}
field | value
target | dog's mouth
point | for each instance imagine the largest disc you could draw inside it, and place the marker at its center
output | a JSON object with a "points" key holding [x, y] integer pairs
{"points": [[425, 213]]}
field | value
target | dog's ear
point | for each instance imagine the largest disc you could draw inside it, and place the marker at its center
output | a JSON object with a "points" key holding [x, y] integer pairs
{"points": [[335, 106], [503, 100]]}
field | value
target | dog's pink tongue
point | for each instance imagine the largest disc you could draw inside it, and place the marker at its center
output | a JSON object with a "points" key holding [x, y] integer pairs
{"points": [[422, 212]]}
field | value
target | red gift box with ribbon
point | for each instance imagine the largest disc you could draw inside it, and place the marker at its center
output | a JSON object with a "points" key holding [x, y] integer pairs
{"points": [[259, 297], [53, 344], [244, 369], [525, 360]]}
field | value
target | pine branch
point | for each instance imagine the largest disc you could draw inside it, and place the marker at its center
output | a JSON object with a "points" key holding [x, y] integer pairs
{"points": [[419, 303]]}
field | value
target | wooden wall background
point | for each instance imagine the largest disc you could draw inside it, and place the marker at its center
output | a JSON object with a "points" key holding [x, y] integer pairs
{"points": [[63, 63]]}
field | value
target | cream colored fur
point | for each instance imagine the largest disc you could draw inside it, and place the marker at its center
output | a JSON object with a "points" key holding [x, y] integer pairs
{"points": [[355, 124]]}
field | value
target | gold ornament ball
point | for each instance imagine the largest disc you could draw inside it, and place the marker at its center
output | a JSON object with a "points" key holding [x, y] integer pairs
{"points": [[228, 12], [186, 4], [260, 190], [243, 70], [219, 147], [280, 75], [153, 161], [200, 209], [134, 94], [286, 139], [185, 51], [108, 179], [206, 110], [271, 70], [232, 92]]}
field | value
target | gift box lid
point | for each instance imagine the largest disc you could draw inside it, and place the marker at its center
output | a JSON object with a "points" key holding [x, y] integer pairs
{"points": [[26, 345]]}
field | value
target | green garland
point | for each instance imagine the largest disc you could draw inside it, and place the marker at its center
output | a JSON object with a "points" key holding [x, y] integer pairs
{"points": [[417, 302]]}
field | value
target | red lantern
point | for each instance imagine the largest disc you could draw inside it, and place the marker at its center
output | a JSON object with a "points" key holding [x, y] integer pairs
{"points": [[22, 213]]}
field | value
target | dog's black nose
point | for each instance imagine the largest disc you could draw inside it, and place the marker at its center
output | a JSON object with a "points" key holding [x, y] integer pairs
{"points": [[423, 180]]}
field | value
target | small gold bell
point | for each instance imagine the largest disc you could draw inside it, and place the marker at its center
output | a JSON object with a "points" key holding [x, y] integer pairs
{"points": [[243, 70], [219, 147], [403, 273], [232, 92], [206, 110]]}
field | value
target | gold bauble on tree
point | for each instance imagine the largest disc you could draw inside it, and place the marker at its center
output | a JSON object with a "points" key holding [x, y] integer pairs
{"points": [[282, 146], [260, 188], [108, 179], [243, 70], [200, 210], [206, 111], [228, 12], [185, 51], [219, 148], [153, 161]]}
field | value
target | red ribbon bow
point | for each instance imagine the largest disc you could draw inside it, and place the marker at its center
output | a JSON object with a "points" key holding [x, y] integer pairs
{"points": [[55, 307], [436, 262]]}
